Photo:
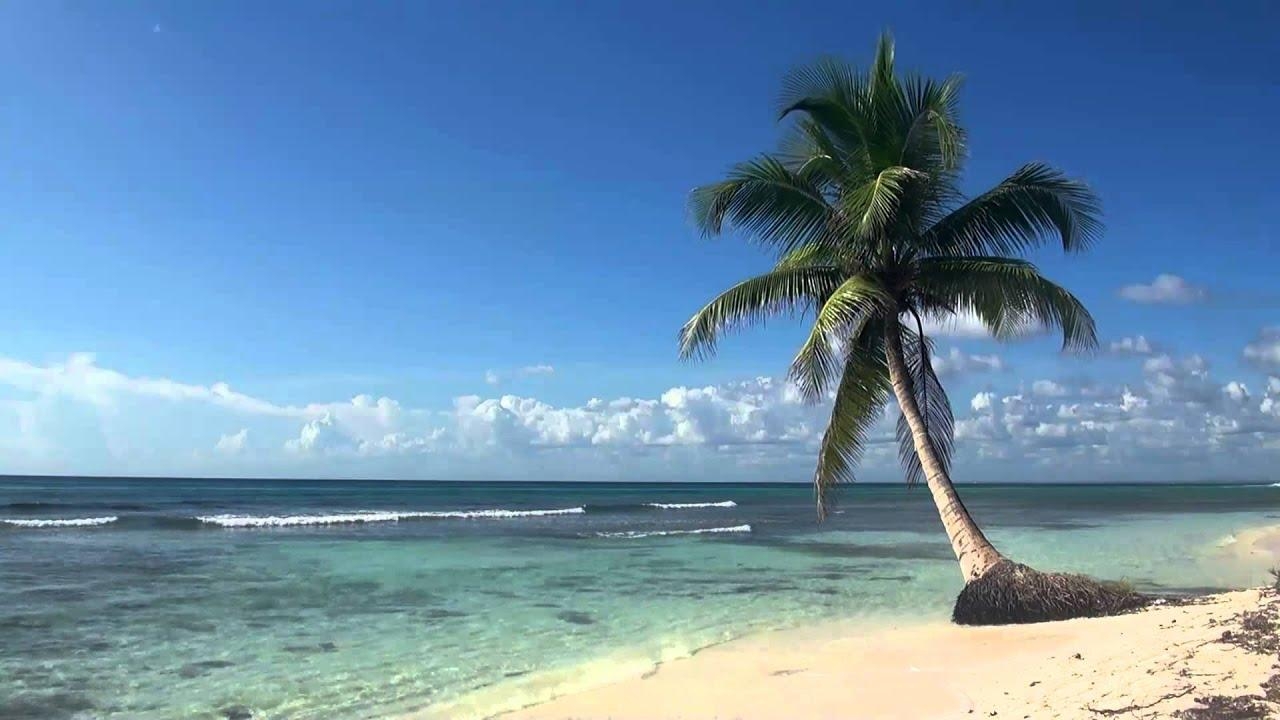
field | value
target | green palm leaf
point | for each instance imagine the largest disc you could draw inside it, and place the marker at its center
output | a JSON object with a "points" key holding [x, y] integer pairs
{"points": [[860, 398], [1020, 213], [789, 290], [812, 256], [849, 307], [1008, 295], [934, 135], [875, 204], [935, 409], [766, 199]]}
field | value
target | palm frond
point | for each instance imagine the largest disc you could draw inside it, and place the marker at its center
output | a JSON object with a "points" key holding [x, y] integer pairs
{"points": [[1008, 295], [763, 197], [806, 147], [935, 409], [860, 398], [874, 205], [1022, 212], [882, 76], [811, 256], [829, 78], [934, 136], [847, 309], [886, 106], [751, 301], [833, 101]]}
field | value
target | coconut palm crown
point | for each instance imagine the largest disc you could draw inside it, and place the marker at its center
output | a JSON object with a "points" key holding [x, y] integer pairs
{"points": [[862, 205]]}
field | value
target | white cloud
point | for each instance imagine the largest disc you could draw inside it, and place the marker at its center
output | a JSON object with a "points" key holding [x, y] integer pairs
{"points": [[496, 377], [317, 435], [956, 362], [1166, 290], [232, 444], [962, 326], [81, 378], [1129, 431], [74, 416], [759, 411], [1264, 352], [1185, 379], [1137, 345], [982, 401], [1048, 388], [1237, 391]]}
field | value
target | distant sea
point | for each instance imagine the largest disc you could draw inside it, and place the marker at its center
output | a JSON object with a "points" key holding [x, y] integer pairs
{"points": [[179, 598]]}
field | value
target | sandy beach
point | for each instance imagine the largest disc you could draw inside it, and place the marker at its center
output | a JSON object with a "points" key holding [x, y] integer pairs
{"points": [[1215, 657], [1150, 664]]}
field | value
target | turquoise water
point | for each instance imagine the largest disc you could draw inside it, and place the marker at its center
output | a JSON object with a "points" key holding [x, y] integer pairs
{"points": [[302, 599]]}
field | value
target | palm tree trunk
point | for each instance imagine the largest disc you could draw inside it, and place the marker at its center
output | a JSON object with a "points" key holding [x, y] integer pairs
{"points": [[975, 553]]}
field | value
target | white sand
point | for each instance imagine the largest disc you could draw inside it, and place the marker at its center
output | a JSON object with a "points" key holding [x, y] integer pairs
{"points": [[1144, 665]]}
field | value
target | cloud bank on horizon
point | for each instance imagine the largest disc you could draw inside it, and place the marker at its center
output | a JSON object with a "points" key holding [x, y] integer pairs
{"points": [[1172, 419]]}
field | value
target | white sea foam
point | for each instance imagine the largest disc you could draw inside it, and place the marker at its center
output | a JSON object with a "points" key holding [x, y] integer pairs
{"points": [[372, 516], [59, 522], [1275, 484], [692, 506], [631, 534], [500, 513]]}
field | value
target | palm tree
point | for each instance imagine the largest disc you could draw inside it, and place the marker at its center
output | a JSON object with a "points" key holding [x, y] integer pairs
{"points": [[862, 205]]}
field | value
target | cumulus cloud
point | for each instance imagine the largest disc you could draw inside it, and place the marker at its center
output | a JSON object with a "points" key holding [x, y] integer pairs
{"points": [[496, 377], [964, 326], [1264, 351], [318, 435], [232, 444], [1137, 345], [956, 362], [1236, 391], [1183, 379], [1166, 289], [759, 411], [1173, 411], [1048, 388], [1177, 414]]}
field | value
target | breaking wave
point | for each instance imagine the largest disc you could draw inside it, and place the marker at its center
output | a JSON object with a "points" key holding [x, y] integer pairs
{"points": [[632, 534], [372, 516], [694, 506], [58, 522]]}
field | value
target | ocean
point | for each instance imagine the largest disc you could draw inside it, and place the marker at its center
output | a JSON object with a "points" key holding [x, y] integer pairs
{"points": [[181, 598]]}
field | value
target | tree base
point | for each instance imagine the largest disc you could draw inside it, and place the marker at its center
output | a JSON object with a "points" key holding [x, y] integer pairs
{"points": [[1013, 593]]}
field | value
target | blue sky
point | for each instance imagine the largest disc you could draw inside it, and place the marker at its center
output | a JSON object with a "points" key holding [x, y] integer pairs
{"points": [[221, 222]]}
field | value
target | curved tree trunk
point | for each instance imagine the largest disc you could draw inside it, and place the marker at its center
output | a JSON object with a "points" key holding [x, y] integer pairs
{"points": [[975, 553]]}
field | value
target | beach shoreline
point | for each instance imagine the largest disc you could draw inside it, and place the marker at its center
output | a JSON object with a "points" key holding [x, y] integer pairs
{"points": [[1172, 657], [1152, 663]]}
